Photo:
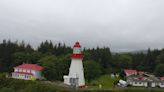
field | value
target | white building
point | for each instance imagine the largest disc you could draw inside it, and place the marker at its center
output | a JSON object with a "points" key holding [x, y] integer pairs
{"points": [[138, 83], [141, 79], [28, 72], [76, 71]]}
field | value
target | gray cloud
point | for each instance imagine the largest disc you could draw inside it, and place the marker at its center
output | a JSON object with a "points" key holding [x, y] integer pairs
{"points": [[123, 25]]}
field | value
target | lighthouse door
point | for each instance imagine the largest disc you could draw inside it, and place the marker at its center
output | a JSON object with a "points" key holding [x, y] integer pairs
{"points": [[74, 82]]}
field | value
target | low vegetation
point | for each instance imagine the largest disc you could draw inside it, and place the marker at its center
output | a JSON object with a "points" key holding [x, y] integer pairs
{"points": [[14, 85], [106, 81]]}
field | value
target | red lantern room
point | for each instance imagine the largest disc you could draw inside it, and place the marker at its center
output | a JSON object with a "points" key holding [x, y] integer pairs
{"points": [[77, 51], [77, 44]]}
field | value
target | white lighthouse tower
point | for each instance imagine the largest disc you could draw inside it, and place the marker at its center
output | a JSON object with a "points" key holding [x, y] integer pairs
{"points": [[76, 71]]}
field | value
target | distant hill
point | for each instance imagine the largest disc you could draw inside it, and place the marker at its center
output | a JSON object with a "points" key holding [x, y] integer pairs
{"points": [[132, 52], [139, 51]]}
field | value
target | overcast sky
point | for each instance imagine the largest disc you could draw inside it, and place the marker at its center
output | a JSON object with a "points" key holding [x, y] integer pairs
{"points": [[123, 25]]}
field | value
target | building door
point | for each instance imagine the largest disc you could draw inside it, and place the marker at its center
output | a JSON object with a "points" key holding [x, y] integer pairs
{"points": [[74, 82]]}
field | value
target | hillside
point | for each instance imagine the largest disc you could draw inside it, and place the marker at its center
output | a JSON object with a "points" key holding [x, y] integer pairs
{"points": [[13, 85]]}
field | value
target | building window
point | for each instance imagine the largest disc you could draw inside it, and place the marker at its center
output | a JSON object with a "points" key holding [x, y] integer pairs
{"points": [[28, 76]]}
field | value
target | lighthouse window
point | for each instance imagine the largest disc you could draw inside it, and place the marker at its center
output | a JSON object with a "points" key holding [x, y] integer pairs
{"points": [[76, 50]]}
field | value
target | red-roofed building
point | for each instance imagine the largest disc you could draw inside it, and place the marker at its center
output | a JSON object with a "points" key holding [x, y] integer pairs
{"points": [[130, 72], [141, 73], [28, 72], [162, 78], [140, 76]]}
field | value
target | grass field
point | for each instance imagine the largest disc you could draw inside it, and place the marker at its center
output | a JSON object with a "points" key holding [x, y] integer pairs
{"points": [[14, 85], [106, 81]]}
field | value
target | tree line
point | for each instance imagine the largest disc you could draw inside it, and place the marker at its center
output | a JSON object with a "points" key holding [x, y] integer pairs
{"points": [[97, 61]]}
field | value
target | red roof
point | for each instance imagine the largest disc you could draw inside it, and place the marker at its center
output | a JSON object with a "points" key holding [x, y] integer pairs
{"points": [[130, 71], [140, 73], [23, 73], [162, 78], [30, 66], [141, 77], [77, 44]]}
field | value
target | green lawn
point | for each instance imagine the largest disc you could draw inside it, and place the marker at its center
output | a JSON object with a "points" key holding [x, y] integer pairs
{"points": [[14, 85], [106, 81]]}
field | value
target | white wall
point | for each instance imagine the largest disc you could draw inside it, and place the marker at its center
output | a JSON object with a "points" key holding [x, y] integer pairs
{"points": [[139, 84], [36, 73], [153, 84], [66, 80], [76, 71]]}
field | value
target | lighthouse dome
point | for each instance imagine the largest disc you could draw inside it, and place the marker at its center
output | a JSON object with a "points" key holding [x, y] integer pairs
{"points": [[77, 44]]}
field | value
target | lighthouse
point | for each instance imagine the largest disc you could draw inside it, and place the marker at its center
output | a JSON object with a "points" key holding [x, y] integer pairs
{"points": [[76, 72]]}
